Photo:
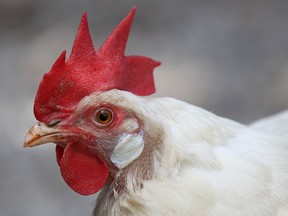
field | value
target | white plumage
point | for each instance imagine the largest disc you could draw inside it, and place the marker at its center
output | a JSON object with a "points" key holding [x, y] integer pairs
{"points": [[199, 163]]}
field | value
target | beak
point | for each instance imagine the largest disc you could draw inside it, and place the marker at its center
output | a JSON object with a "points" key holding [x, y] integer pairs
{"points": [[41, 134]]}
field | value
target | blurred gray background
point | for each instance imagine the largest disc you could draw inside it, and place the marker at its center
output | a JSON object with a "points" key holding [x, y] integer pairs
{"points": [[230, 57]]}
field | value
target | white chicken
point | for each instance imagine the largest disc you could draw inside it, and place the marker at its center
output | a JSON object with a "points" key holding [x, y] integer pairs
{"points": [[155, 157]]}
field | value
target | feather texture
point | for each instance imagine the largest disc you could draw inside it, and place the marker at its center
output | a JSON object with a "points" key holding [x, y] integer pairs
{"points": [[207, 165]]}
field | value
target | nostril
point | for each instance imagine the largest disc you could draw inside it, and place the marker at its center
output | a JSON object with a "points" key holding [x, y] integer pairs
{"points": [[54, 122]]}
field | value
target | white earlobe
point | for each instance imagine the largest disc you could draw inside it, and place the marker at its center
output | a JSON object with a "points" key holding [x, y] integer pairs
{"points": [[129, 148]]}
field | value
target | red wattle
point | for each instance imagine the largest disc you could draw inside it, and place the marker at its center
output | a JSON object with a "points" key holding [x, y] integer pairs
{"points": [[83, 172]]}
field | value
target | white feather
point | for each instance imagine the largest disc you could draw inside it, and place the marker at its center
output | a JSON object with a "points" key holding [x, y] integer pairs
{"points": [[208, 165]]}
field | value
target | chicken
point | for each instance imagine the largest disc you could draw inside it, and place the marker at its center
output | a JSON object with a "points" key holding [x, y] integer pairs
{"points": [[153, 156]]}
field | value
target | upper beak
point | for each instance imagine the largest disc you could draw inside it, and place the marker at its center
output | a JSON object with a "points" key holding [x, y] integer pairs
{"points": [[41, 133]]}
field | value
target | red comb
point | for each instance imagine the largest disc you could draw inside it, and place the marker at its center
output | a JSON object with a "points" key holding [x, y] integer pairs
{"points": [[88, 71]]}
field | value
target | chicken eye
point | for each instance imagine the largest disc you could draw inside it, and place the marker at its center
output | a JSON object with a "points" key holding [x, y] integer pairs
{"points": [[104, 116]]}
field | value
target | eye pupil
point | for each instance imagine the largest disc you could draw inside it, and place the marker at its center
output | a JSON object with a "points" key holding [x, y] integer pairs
{"points": [[104, 116]]}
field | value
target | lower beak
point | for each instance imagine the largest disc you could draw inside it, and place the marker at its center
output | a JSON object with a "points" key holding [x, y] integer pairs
{"points": [[41, 134]]}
